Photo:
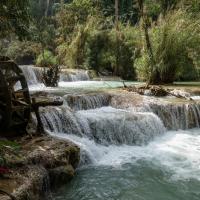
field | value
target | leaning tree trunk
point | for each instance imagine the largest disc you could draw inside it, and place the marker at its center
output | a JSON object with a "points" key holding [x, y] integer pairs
{"points": [[116, 71], [154, 74]]}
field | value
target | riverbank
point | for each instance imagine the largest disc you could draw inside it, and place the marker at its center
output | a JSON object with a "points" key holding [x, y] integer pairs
{"points": [[38, 166]]}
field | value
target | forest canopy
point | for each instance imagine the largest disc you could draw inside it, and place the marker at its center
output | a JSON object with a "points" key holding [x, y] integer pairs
{"points": [[108, 36]]}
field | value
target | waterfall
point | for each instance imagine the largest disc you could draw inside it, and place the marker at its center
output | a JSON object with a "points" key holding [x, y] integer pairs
{"points": [[105, 126], [32, 74], [75, 75], [60, 120], [104, 132], [174, 117], [87, 101]]}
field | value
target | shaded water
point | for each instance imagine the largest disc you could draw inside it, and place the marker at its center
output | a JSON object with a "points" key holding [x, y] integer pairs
{"points": [[143, 181]]}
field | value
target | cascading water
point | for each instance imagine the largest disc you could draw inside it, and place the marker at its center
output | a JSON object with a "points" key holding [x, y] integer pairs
{"points": [[75, 75], [87, 101], [126, 151], [176, 117], [105, 125], [130, 152], [33, 74]]}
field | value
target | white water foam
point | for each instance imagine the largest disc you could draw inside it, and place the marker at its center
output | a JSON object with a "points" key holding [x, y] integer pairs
{"points": [[75, 75], [33, 74], [105, 126], [195, 97], [177, 151]]}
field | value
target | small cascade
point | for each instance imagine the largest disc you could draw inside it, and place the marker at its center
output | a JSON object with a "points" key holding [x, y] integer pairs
{"points": [[60, 120], [75, 75], [114, 126], [105, 125], [87, 101], [174, 117], [33, 74]]}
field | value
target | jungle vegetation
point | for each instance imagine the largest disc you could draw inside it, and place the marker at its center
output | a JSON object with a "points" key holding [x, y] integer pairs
{"points": [[149, 40]]}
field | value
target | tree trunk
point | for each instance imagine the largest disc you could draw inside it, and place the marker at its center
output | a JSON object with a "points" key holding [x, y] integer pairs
{"points": [[147, 39], [47, 8], [116, 71]]}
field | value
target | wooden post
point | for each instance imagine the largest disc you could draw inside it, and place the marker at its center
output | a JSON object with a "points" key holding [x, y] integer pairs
{"points": [[43, 103], [40, 128]]}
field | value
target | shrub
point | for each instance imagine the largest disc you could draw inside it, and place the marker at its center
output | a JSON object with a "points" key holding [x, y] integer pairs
{"points": [[72, 53], [46, 59], [23, 52], [104, 49], [175, 46]]}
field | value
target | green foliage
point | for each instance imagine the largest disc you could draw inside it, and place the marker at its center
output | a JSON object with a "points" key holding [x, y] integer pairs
{"points": [[14, 145], [46, 59], [14, 17], [102, 51], [82, 34], [128, 10], [19, 51], [166, 5], [192, 6], [7, 147], [92, 47], [175, 42], [72, 53], [153, 9], [43, 32], [71, 16]]}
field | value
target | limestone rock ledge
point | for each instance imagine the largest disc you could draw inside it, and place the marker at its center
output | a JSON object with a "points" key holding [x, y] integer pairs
{"points": [[42, 164]]}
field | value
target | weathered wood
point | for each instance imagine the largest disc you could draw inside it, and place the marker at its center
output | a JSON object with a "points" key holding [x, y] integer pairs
{"points": [[43, 102], [15, 103], [47, 103]]}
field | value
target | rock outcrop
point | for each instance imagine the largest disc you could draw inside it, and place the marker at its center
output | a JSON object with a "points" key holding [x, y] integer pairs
{"points": [[41, 164]]}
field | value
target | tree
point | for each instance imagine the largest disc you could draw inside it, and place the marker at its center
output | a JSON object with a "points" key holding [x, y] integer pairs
{"points": [[149, 49], [117, 36], [128, 10], [14, 17]]}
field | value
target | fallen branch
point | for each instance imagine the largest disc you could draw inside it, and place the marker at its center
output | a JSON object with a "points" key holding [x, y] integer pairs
{"points": [[154, 90]]}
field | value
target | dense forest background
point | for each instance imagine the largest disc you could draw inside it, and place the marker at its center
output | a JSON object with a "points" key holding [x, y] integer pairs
{"points": [[158, 42]]}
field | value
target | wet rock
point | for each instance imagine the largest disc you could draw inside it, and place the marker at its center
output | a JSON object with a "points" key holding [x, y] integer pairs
{"points": [[44, 162], [61, 175]]}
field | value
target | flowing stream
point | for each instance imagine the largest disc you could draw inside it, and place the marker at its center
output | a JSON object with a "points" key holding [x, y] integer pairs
{"points": [[146, 152]]}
